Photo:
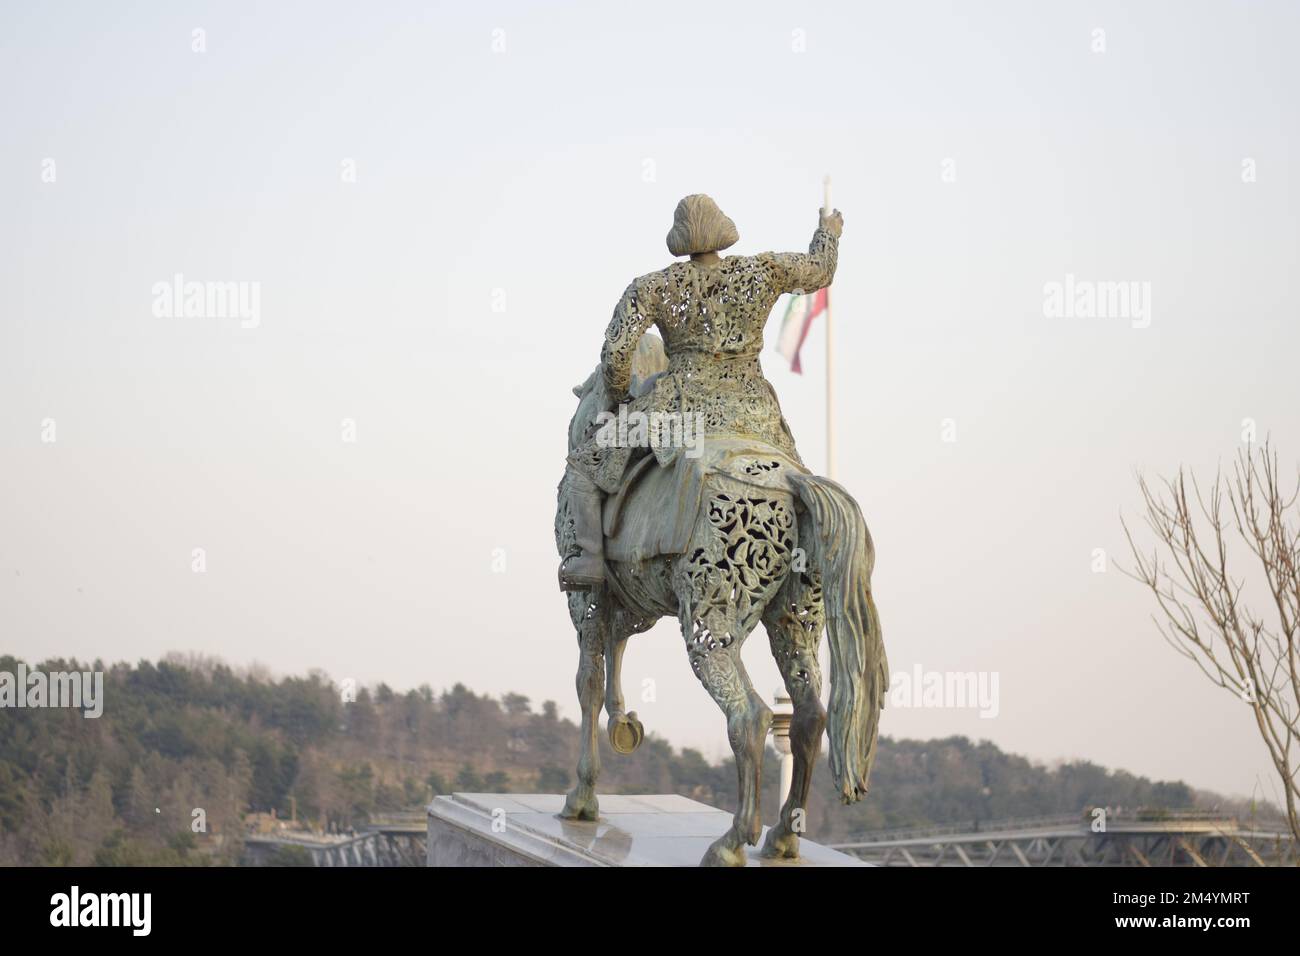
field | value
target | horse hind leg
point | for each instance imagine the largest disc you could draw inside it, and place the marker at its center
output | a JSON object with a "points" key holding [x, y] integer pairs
{"points": [[735, 565], [589, 618], [794, 627], [748, 720]]}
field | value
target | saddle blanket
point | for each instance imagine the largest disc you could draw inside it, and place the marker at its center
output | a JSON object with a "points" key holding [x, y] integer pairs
{"points": [[655, 508]]}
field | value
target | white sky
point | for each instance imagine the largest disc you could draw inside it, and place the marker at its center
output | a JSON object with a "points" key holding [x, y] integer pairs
{"points": [[526, 171]]}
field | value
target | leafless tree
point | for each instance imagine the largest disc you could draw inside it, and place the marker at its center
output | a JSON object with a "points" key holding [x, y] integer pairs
{"points": [[1253, 653]]}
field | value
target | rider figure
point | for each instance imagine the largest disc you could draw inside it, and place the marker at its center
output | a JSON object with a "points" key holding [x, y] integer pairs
{"points": [[710, 311]]}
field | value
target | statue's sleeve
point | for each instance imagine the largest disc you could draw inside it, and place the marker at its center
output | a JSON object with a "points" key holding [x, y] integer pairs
{"points": [[625, 330], [794, 271]]}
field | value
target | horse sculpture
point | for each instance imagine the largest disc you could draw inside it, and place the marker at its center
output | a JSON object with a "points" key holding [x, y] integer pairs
{"points": [[731, 532]]}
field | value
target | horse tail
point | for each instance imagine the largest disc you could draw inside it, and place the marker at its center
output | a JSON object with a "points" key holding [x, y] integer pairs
{"points": [[839, 547]]}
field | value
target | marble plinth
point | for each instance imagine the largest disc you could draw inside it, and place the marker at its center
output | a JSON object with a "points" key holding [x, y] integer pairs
{"points": [[523, 829]]}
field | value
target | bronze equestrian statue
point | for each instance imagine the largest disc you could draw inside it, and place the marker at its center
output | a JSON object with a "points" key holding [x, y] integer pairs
{"points": [[685, 496]]}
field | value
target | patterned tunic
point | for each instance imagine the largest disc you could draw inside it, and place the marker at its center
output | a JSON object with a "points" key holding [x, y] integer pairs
{"points": [[711, 318]]}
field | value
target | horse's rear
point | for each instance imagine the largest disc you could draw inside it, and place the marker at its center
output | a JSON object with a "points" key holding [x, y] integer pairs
{"points": [[768, 542]]}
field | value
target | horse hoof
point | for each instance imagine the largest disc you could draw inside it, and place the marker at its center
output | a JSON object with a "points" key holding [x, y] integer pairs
{"points": [[781, 844], [722, 853], [625, 733], [579, 806]]}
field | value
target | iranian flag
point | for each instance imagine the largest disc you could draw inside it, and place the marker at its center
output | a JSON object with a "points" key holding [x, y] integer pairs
{"points": [[794, 327]]}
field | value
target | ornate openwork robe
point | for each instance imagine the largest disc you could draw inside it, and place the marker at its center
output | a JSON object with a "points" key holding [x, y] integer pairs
{"points": [[711, 319]]}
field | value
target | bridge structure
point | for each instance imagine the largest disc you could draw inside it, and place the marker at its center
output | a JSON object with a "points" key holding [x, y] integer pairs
{"points": [[390, 840], [1163, 838], [1135, 839]]}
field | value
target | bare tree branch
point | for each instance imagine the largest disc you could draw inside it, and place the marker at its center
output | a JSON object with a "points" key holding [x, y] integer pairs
{"points": [[1202, 613]]}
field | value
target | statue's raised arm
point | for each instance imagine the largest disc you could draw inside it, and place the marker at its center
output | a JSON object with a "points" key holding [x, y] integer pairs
{"points": [[800, 272]]}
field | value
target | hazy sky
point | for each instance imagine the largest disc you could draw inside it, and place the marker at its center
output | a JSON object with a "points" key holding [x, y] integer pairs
{"points": [[515, 166]]}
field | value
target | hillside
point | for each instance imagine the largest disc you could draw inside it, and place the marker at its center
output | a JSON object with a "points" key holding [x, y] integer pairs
{"points": [[187, 734]]}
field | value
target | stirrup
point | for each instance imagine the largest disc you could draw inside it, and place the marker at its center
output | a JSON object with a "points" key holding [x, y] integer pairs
{"points": [[574, 577]]}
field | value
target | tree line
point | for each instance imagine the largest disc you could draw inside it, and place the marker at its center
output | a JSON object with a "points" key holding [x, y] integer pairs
{"points": [[189, 748]]}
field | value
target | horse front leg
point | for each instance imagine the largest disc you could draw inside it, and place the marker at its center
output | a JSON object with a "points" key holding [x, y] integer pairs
{"points": [[625, 730], [581, 803]]}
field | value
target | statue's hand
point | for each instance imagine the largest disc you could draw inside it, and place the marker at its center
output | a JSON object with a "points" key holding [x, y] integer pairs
{"points": [[832, 222]]}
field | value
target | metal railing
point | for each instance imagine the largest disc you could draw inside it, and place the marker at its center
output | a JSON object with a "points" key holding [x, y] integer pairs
{"points": [[1081, 821]]}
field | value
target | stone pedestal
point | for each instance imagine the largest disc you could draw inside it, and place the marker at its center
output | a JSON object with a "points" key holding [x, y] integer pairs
{"points": [[523, 829]]}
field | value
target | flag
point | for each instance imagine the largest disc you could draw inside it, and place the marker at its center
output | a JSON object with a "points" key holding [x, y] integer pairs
{"points": [[794, 327]]}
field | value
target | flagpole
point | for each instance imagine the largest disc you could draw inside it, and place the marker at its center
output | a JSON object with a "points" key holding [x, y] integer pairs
{"points": [[830, 389]]}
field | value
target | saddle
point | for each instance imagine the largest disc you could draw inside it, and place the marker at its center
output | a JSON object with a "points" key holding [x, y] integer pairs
{"points": [[655, 508]]}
